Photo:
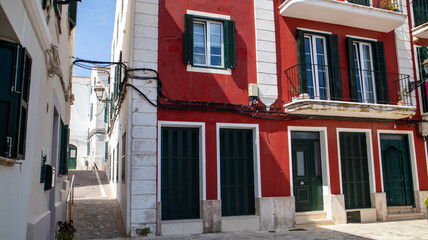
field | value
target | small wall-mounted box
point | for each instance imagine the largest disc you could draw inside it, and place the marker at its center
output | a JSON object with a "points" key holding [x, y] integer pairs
{"points": [[253, 90]]}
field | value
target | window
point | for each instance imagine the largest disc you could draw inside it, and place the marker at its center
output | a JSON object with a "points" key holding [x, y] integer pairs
{"points": [[91, 112], [15, 72], [367, 71], [364, 74], [209, 42], [422, 55], [63, 157], [319, 65], [72, 15], [123, 157]]}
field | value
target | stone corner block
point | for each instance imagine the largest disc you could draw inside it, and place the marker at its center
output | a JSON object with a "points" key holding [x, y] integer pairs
{"points": [[379, 202], [211, 215], [276, 212]]}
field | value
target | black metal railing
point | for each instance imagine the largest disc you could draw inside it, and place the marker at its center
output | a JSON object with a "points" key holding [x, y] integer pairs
{"points": [[420, 11], [323, 82], [392, 5]]}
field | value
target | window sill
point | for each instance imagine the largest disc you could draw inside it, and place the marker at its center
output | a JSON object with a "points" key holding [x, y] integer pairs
{"points": [[226, 71], [7, 161]]}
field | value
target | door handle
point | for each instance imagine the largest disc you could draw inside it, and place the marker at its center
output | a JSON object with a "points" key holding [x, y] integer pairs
{"points": [[301, 183]]}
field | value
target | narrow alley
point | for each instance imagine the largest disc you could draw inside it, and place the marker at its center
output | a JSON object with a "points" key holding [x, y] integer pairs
{"points": [[95, 212]]}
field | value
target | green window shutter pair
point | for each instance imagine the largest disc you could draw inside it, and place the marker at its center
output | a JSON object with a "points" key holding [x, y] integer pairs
{"points": [[117, 77], [229, 41], [72, 15], [379, 69], [15, 69], [335, 78], [63, 164]]}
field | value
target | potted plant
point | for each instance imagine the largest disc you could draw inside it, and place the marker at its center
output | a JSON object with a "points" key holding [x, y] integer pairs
{"points": [[66, 230]]}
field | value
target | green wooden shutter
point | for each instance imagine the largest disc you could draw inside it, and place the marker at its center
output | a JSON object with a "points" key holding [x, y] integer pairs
{"points": [[10, 86], [72, 14], [180, 173], [46, 3], [230, 45], [106, 150], [351, 69], [334, 68], [302, 61], [91, 111], [123, 176], [106, 112], [58, 10], [188, 39], [63, 164], [23, 86], [380, 73]]}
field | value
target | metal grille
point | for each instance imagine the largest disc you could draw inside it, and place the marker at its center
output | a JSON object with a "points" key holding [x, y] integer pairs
{"points": [[353, 217]]}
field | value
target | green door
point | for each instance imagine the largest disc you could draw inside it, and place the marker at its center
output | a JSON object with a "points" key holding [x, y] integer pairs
{"points": [[355, 170], [397, 176], [237, 172], [72, 155], [180, 173], [307, 173]]}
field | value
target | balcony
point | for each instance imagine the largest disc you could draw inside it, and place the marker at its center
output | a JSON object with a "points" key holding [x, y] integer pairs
{"points": [[376, 15], [420, 17], [314, 96]]}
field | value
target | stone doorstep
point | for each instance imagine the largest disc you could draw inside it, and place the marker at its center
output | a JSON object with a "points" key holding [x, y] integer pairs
{"points": [[314, 223], [405, 216], [179, 227], [401, 209], [304, 216], [312, 219]]}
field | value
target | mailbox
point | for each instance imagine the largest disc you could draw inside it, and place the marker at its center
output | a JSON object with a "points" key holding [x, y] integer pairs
{"points": [[49, 177]]}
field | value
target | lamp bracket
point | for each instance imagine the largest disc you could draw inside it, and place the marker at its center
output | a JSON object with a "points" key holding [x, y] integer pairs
{"points": [[416, 84]]}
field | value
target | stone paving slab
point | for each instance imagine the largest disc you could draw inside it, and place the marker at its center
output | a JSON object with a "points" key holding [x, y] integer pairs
{"points": [[413, 229], [95, 216]]}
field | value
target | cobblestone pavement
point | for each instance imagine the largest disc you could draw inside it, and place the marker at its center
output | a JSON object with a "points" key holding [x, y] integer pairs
{"points": [[414, 229], [95, 212]]}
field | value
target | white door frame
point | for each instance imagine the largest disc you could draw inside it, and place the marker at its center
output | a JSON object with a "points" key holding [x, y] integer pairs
{"points": [[324, 156], [412, 153], [202, 154], [369, 143], [256, 154]]}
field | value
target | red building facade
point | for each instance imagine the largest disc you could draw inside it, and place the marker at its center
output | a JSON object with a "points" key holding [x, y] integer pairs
{"points": [[275, 114]]}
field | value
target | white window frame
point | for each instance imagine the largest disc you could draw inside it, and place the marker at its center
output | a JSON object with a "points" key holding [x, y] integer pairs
{"points": [[314, 61], [359, 46], [207, 39]]}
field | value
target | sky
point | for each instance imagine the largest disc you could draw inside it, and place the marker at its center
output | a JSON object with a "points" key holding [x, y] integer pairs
{"points": [[94, 32]]}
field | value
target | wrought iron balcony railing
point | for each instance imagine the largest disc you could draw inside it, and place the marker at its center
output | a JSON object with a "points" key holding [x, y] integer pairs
{"points": [[420, 11], [323, 82]]}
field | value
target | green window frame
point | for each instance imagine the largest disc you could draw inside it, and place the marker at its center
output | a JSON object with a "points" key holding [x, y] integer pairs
{"points": [[63, 157], [333, 61], [15, 71], [123, 174], [422, 55], [379, 64], [228, 44]]}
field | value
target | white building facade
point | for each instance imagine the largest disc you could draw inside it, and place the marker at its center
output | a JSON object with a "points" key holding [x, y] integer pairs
{"points": [[36, 44]]}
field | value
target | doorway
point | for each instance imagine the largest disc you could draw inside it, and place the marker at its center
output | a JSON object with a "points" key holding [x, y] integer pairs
{"points": [[307, 171]]}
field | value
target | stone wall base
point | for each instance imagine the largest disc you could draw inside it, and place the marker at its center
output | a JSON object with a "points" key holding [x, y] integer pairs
{"points": [[211, 215], [379, 202], [420, 197], [276, 212]]}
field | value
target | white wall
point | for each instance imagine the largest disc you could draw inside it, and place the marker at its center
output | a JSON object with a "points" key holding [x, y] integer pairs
{"points": [[79, 122], [24, 204]]}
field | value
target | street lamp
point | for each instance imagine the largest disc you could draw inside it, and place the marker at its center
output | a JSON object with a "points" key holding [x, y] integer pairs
{"points": [[99, 92]]}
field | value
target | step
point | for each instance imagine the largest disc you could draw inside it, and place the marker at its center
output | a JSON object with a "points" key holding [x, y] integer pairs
{"points": [[314, 223], [401, 209], [304, 216], [405, 216]]}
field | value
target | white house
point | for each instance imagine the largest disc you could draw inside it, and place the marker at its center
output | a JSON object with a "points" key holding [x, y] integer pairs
{"points": [[36, 43], [79, 123]]}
